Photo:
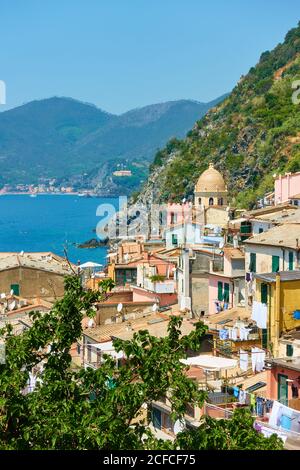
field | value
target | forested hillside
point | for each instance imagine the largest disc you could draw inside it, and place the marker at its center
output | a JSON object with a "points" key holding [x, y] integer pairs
{"points": [[251, 135]]}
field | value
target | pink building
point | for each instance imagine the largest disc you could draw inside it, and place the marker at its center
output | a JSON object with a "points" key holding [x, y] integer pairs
{"points": [[286, 187], [226, 283], [283, 381], [176, 213], [155, 295]]}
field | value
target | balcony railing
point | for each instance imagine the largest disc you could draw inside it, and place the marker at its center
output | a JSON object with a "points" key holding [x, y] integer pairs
{"points": [[161, 287]]}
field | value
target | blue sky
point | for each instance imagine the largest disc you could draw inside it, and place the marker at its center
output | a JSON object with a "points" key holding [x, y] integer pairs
{"points": [[122, 54]]}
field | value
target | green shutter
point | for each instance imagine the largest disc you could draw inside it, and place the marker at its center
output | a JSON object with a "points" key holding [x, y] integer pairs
{"points": [[275, 264], [264, 293], [15, 288], [226, 292], [289, 350], [291, 261], [264, 338], [252, 267], [174, 239], [220, 290]]}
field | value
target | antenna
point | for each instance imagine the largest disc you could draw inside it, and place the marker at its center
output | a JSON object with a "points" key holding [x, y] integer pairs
{"points": [[154, 307]]}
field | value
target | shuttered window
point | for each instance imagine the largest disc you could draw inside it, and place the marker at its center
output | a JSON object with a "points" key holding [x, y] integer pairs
{"points": [[275, 264], [291, 261], [264, 338], [220, 290], [226, 292], [289, 350], [264, 293], [252, 267]]}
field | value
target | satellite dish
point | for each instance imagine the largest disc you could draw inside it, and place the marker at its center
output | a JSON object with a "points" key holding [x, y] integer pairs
{"points": [[22, 253], [179, 426], [221, 245], [12, 305], [91, 323], [183, 200], [119, 307], [154, 307], [11, 292], [3, 295]]}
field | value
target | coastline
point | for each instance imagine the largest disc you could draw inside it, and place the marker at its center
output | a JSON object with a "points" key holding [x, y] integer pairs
{"points": [[55, 194]]}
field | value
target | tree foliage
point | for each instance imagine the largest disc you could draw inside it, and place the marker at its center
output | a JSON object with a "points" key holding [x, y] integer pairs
{"points": [[101, 408]]}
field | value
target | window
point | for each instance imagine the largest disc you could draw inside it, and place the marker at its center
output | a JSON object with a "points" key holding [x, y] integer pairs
{"points": [[211, 201], [174, 239], [15, 288], [264, 293], [252, 266], [220, 290], [173, 218], [264, 338], [182, 286], [199, 201], [275, 264], [289, 350], [156, 418], [226, 292], [291, 261], [260, 230], [220, 201]]}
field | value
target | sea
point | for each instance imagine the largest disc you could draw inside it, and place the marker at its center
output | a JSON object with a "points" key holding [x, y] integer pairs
{"points": [[52, 223]]}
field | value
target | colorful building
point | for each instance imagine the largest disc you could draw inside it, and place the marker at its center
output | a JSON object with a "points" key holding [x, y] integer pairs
{"points": [[280, 292], [286, 187]]}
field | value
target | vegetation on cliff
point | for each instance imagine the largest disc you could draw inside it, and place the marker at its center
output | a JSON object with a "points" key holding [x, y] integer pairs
{"points": [[251, 135]]}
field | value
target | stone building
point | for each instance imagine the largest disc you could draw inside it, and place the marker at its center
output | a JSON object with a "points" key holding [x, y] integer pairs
{"points": [[33, 275]]}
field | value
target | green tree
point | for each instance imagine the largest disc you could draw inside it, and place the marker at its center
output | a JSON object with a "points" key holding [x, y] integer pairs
{"points": [[98, 408]]}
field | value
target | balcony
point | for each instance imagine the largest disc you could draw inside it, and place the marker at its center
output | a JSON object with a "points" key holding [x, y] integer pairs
{"points": [[160, 287]]}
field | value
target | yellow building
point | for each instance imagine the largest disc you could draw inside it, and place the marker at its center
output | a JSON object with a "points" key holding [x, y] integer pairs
{"points": [[281, 293]]}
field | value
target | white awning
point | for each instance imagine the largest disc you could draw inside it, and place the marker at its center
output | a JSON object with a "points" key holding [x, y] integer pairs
{"points": [[107, 348], [210, 362], [90, 264]]}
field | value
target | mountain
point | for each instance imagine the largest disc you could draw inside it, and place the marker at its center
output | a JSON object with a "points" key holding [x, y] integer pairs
{"points": [[252, 134], [79, 144]]}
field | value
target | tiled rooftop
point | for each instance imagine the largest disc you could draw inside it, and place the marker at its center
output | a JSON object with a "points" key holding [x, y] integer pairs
{"points": [[44, 261], [284, 235]]}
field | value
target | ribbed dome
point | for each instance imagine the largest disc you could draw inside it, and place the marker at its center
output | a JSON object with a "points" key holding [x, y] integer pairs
{"points": [[210, 181]]}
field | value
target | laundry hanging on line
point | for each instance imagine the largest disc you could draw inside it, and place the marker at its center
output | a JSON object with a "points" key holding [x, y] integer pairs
{"points": [[259, 314]]}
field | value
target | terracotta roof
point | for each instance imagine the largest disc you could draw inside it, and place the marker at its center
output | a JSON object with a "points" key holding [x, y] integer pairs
{"points": [[284, 235], [252, 380], [35, 260], [284, 276], [234, 253], [280, 217], [217, 320], [156, 324], [268, 210]]}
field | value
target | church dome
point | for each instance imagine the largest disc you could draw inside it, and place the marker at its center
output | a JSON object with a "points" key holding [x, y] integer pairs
{"points": [[211, 181]]}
